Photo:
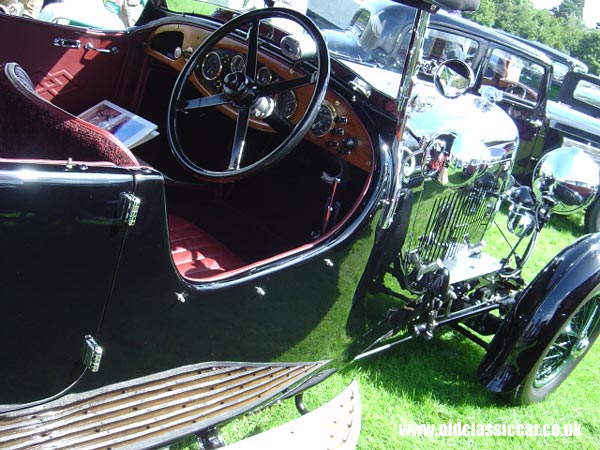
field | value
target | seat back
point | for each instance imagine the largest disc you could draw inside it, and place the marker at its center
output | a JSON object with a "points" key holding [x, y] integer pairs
{"points": [[34, 128]]}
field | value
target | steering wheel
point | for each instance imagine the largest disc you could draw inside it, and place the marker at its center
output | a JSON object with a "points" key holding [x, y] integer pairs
{"points": [[519, 90], [243, 93]]}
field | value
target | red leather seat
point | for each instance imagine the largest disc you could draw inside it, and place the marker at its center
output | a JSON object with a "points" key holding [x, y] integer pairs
{"points": [[196, 253], [33, 128]]}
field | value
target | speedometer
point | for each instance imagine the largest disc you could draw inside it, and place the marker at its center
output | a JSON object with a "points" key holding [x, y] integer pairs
{"points": [[264, 76], [324, 121], [212, 66], [286, 103], [237, 64]]}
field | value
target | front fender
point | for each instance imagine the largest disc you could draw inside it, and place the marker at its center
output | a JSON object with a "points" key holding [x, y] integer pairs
{"points": [[540, 312]]}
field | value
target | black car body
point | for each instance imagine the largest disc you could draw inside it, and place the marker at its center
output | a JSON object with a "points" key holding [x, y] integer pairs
{"points": [[241, 256]]}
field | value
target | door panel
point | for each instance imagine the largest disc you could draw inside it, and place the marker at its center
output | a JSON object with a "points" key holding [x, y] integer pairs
{"points": [[62, 68], [61, 233]]}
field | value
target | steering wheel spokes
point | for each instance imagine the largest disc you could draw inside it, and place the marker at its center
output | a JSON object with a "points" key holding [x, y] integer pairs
{"points": [[252, 55], [202, 102], [289, 85], [239, 140], [243, 94]]}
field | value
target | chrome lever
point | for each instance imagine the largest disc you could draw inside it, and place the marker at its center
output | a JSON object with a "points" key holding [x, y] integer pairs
{"points": [[67, 43], [90, 46]]}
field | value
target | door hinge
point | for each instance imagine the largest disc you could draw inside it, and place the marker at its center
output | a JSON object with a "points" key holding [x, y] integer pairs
{"points": [[91, 353], [131, 209]]}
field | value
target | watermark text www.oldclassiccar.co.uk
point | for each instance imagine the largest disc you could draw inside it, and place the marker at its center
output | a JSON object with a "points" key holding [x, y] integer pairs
{"points": [[474, 429]]}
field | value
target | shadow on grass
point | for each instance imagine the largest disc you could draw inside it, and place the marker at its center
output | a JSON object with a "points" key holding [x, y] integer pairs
{"points": [[571, 224], [444, 369]]}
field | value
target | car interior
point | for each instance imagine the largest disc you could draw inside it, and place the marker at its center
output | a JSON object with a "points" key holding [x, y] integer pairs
{"points": [[215, 227]]}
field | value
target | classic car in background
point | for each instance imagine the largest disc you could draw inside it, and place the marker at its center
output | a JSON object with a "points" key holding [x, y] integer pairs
{"points": [[290, 218], [513, 72], [562, 64], [572, 116], [517, 75], [574, 121]]}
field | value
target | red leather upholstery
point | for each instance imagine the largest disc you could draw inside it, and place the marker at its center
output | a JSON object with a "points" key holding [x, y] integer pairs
{"points": [[33, 128], [196, 253]]}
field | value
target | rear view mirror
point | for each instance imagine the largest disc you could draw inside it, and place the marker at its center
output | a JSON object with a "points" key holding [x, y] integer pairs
{"points": [[453, 78]]}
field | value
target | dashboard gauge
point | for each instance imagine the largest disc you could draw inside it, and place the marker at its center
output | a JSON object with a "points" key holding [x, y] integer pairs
{"points": [[212, 66], [286, 103], [324, 121], [264, 76], [237, 64]]}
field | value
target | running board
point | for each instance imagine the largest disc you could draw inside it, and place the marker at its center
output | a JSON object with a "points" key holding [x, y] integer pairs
{"points": [[151, 411]]}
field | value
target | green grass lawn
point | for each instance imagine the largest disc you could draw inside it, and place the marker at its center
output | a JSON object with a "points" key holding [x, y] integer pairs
{"points": [[435, 383]]}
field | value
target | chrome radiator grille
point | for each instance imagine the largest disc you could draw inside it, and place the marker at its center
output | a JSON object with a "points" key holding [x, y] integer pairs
{"points": [[455, 220]]}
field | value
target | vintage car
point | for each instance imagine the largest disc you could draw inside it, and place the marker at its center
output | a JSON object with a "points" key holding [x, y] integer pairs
{"points": [[562, 63], [574, 121], [572, 116], [290, 218], [523, 77], [520, 74]]}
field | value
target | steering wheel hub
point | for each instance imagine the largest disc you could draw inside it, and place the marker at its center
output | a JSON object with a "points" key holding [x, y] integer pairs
{"points": [[240, 89]]}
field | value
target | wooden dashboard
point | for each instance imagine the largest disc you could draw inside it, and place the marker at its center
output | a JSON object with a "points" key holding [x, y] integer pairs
{"points": [[337, 128]]}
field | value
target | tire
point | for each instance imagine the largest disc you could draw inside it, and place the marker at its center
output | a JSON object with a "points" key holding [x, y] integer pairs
{"points": [[568, 347], [592, 217], [554, 323]]}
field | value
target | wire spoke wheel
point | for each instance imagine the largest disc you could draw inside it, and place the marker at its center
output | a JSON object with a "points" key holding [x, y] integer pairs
{"points": [[572, 341]]}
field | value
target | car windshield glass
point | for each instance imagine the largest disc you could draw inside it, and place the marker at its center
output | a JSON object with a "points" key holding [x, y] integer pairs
{"points": [[440, 46], [559, 70], [516, 76], [588, 93], [376, 36]]}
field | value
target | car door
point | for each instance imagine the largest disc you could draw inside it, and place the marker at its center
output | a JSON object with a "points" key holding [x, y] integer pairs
{"points": [[66, 63], [61, 233]]}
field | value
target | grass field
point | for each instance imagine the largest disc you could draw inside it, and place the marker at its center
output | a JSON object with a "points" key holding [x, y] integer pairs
{"points": [[435, 383]]}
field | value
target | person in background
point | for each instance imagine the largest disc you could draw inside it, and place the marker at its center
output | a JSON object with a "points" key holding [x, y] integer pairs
{"points": [[27, 8], [129, 10]]}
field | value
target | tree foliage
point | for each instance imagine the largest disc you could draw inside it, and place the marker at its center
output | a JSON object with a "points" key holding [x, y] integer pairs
{"points": [[570, 9], [562, 27]]}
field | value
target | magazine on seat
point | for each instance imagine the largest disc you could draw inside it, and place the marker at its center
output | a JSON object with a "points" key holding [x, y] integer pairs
{"points": [[129, 128]]}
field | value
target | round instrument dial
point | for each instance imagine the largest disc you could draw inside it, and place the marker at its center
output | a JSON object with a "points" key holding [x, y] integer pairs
{"points": [[264, 76], [237, 64], [287, 104], [324, 121], [212, 66]]}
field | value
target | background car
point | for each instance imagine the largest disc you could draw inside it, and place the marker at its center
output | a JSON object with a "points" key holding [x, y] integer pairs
{"points": [[521, 73], [562, 63]]}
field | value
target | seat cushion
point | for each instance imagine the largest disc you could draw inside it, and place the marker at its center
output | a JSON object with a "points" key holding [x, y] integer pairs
{"points": [[196, 253]]}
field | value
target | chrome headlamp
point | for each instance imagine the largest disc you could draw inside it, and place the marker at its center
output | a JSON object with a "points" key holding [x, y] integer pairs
{"points": [[567, 178]]}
